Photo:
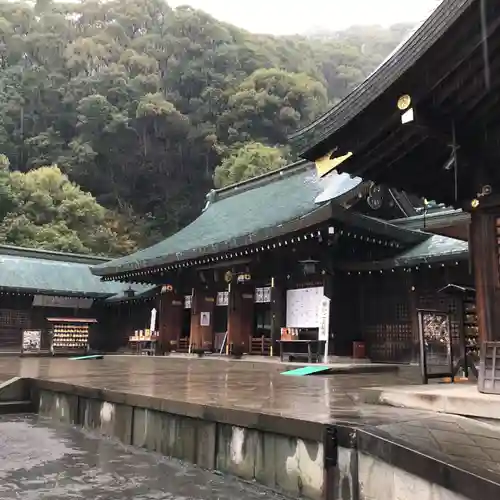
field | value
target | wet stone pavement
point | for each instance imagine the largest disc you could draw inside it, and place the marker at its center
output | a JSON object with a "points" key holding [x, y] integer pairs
{"points": [[461, 454], [252, 387], [40, 460]]}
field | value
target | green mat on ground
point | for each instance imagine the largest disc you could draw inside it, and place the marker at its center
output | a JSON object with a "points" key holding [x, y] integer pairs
{"points": [[306, 370], [93, 356]]}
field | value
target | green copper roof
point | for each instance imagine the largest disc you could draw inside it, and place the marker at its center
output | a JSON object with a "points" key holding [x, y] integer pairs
{"points": [[51, 255], [436, 219], [435, 249], [251, 212], [37, 271], [239, 215]]}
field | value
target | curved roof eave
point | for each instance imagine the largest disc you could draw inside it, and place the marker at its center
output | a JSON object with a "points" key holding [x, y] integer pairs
{"points": [[403, 58]]}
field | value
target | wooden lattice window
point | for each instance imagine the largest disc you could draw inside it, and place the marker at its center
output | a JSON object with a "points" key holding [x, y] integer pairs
{"points": [[14, 318]]}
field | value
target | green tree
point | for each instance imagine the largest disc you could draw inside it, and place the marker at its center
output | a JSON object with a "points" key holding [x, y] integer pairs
{"points": [[138, 102], [46, 210], [270, 104], [249, 161]]}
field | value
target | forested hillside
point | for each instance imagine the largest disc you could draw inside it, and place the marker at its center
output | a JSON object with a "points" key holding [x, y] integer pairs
{"points": [[138, 103]]}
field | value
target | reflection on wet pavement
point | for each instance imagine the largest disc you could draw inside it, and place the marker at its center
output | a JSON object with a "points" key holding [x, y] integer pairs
{"points": [[465, 443], [39, 460], [237, 385]]}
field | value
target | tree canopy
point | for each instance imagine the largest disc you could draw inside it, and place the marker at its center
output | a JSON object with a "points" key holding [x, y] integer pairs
{"points": [[138, 103], [251, 160], [44, 209]]}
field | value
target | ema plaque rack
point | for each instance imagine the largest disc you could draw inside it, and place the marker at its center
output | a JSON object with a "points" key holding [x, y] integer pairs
{"points": [[70, 334]]}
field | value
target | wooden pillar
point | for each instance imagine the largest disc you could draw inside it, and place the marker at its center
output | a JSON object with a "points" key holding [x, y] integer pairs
{"points": [[413, 291], [202, 312], [240, 316], [328, 291], [170, 323], [278, 312], [484, 248]]}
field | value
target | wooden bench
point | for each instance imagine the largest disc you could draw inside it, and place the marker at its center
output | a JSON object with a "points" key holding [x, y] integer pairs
{"points": [[301, 349]]}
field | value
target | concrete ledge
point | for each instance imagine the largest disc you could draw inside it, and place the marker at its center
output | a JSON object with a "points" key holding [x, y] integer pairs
{"points": [[286, 464], [379, 480], [423, 457], [378, 464], [15, 389], [302, 429], [457, 399], [390, 468]]}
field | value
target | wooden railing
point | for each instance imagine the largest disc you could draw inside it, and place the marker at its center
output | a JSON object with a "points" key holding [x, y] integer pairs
{"points": [[260, 346], [183, 344]]}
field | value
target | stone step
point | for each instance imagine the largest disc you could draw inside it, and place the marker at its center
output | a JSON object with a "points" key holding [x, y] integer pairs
{"points": [[9, 407]]}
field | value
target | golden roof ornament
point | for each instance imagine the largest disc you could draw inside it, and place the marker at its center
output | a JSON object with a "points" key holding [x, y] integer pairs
{"points": [[326, 164], [404, 102]]}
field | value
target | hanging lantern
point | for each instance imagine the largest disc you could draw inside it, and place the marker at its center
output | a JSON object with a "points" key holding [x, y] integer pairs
{"points": [[309, 266]]}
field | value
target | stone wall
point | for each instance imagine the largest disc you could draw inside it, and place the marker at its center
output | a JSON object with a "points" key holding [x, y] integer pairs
{"points": [[286, 457], [360, 475], [381, 481], [284, 463]]}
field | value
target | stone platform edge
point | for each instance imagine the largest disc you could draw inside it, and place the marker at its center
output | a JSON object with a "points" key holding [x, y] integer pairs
{"points": [[453, 399], [419, 474], [297, 428], [286, 455], [320, 461]]}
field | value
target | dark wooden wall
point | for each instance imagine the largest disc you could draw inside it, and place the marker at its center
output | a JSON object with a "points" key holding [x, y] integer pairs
{"points": [[15, 316], [202, 336], [241, 316], [118, 321], [381, 309], [485, 251], [171, 310], [346, 313]]}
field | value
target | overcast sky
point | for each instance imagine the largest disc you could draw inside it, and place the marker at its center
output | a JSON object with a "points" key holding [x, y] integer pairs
{"points": [[282, 17]]}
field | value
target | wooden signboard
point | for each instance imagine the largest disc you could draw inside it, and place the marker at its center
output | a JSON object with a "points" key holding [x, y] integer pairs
{"points": [[32, 341], [436, 357]]}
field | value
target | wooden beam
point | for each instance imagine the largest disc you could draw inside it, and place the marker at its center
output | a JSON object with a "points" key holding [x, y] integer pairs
{"points": [[429, 183], [402, 150], [475, 153], [471, 71], [436, 60]]}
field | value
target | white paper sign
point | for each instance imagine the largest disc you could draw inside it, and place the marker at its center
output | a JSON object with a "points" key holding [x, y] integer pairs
{"points": [[205, 319], [32, 340], [302, 307], [152, 325], [324, 319], [222, 299], [263, 295]]}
